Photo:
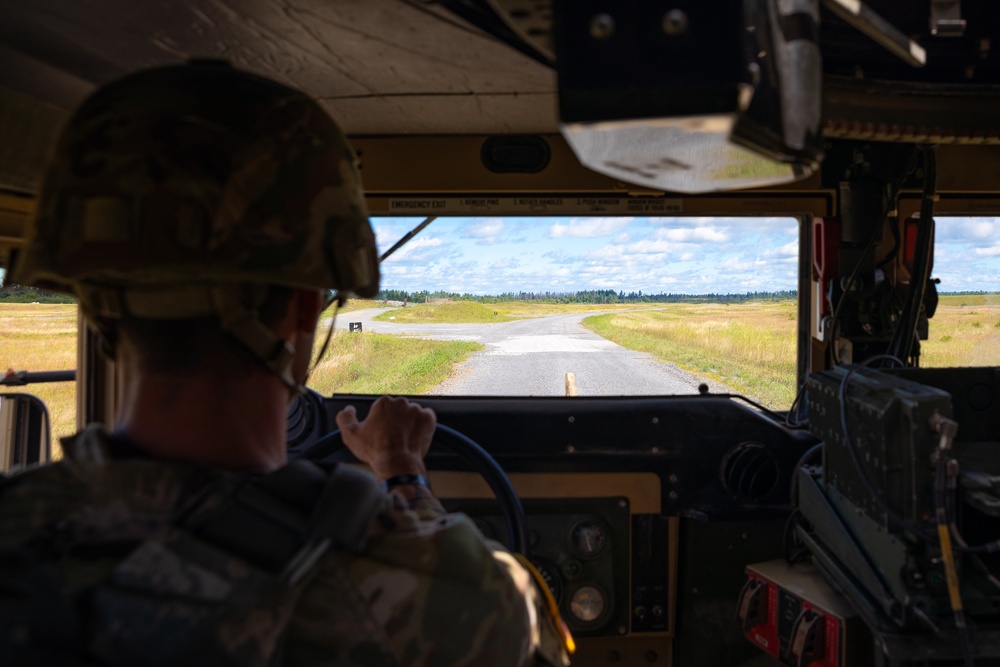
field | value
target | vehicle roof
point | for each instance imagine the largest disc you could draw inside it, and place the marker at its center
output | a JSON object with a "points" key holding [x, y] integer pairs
{"points": [[379, 66], [403, 73]]}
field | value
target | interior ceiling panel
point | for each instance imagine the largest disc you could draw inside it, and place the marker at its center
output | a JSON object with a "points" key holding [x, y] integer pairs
{"points": [[379, 66]]}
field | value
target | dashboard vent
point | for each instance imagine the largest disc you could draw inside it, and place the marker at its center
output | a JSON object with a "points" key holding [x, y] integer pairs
{"points": [[750, 472]]}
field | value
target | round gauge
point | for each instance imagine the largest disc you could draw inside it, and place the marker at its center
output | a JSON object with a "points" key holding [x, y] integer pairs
{"points": [[551, 578], [587, 604], [589, 538]]}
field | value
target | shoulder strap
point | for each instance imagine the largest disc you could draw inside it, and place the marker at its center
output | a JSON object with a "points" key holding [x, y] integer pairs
{"points": [[194, 579], [215, 585]]}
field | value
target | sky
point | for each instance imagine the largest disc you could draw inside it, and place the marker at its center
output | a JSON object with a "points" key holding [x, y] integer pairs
{"points": [[675, 255]]}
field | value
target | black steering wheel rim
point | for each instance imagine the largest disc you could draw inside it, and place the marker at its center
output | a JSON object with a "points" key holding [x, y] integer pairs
{"points": [[477, 458]]}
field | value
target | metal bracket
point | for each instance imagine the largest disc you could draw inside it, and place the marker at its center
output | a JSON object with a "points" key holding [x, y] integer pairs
{"points": [[864, 19], [946, 18]]}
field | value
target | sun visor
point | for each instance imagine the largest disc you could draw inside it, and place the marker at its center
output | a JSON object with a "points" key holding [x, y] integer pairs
{"points": [[691, 96]]}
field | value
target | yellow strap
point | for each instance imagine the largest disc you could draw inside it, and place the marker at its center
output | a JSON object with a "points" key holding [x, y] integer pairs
{"points": [[550, 601], [950, 570]]}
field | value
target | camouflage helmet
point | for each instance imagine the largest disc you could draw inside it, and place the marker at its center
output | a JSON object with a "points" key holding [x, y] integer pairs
{"points": [[200, 173], [173, 190]]}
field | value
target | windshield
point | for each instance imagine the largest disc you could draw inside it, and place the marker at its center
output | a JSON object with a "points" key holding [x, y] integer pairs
{"points": [[598, 306], [592, 306], [965, 330]]}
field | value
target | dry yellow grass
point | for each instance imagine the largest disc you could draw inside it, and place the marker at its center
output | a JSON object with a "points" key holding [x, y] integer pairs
{"points": [[41, 337], [749, 347], [38, 337], [534, 309], [965, 331]]}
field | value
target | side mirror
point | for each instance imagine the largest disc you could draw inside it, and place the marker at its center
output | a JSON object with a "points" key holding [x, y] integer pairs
{"points": [[24, 431]]}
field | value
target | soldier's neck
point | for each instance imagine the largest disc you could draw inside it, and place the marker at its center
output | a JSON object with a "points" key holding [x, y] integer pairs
{"points": [[235, 425]]}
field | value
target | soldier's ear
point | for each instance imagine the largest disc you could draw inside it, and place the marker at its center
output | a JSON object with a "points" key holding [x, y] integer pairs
{"points": [[309, 303]]}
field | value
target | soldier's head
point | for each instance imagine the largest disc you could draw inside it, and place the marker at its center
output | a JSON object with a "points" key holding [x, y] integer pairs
{"points": [[186, 200]]}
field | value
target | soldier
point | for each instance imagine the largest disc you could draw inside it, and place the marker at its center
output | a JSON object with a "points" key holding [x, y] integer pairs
{"points": [[201, 214]]}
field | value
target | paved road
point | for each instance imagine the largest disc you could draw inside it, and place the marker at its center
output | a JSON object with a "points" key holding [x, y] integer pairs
{"points": [[531, 357]]}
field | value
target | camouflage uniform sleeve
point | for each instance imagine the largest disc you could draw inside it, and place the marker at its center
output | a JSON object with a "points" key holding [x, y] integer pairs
{"points": [[427, 590]]}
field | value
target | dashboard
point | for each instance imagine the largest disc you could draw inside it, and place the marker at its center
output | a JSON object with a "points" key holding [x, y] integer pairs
{"points": [[642, 512]]}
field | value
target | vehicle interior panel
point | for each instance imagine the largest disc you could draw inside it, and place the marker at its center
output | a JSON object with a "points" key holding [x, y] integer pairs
{"points": [[646, 510]]}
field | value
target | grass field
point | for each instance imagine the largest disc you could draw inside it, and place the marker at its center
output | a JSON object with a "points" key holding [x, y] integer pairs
{"points": [[749, 347], [42, 337], [452, 312], [965, 331], [358, 304], [369, 363], [459, 312]]}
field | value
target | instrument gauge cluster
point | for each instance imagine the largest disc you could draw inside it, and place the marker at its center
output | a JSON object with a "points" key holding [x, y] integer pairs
{"points": [[580, 549], [589, 537]]}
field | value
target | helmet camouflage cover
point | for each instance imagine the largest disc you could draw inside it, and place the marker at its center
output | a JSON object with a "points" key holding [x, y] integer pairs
{"points": [[197, 174]]}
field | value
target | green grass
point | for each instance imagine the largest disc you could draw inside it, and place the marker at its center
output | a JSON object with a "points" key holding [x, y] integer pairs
{"points": [[29, 295], [40, 337], [450, 312], [369, 363], [749, 347], [358, 304]]}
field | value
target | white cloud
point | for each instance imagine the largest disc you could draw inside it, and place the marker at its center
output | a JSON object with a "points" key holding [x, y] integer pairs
{"points": [[656, 247], [588, 227], [735, 224], [488, 230], [413, 247], [736, 264], [992, 251], [788, 251], [692, 235], [505, 264], [981, 229]]}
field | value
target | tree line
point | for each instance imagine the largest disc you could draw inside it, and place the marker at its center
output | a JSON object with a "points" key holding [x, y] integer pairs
{"points": [[588, 296], [14, 293]]}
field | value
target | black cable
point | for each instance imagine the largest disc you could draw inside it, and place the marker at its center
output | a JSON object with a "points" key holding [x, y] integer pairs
{"points": [[901, 344], [793, 422], [760, 406], [801, 462], [897, 242], [849, 286], [788, 539], [869, 247]]}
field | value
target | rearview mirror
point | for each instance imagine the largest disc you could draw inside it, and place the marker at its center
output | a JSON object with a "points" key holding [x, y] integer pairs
{"points": [[24, 431]]}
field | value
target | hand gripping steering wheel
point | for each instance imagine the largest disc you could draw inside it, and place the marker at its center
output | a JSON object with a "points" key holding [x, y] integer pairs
{"points": [[331, 448]]}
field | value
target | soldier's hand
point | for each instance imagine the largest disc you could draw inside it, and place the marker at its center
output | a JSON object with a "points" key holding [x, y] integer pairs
{"points": [[393, 439]]}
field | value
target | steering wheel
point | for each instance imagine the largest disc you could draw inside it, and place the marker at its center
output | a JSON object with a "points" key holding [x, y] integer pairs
{"points": [[331, 447]]}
